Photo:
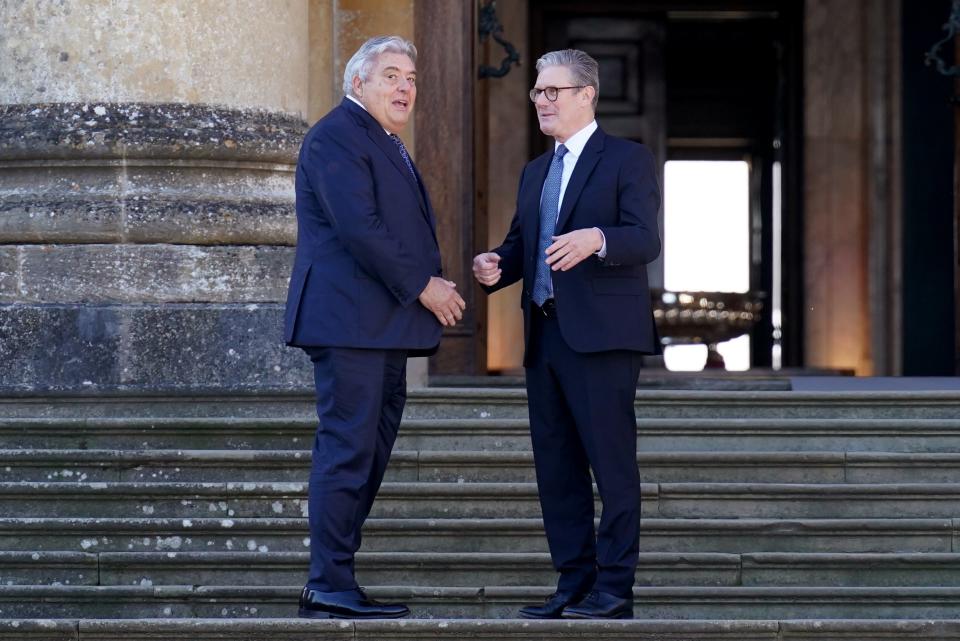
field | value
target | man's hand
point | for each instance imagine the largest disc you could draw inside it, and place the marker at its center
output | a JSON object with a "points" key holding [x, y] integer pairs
{"points": [[486, 268], [568, 250], [440, 297]]}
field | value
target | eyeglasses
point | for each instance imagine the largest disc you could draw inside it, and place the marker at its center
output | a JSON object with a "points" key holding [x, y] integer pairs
{"points": [[550, 92]]}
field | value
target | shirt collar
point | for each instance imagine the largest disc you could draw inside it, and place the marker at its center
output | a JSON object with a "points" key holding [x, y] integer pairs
{"points": [[349, 97], [578, 141]]}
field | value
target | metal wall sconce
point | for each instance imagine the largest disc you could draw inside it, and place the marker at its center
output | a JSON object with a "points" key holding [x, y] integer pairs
{"points": [[952, 27], [490, 26]]}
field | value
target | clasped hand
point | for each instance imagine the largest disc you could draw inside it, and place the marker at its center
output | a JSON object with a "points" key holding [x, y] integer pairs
{"points": [[440, 297]]}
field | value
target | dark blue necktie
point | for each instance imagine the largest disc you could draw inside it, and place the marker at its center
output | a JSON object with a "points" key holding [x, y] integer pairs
{"points": [[549, 209], [404, 154]]}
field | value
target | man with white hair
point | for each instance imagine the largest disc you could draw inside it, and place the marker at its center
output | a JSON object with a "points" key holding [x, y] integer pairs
{"points": [[366, 292], [584, 230]]}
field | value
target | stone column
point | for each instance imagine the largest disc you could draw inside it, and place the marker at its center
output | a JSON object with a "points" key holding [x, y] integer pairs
{"points": [[146, 202], [446, 77], [882, 181], [837, 322]]}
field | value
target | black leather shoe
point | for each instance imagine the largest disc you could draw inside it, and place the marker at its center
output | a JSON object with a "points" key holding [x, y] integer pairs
{"points": [[600, 605], [350, 604], [552, 607]]}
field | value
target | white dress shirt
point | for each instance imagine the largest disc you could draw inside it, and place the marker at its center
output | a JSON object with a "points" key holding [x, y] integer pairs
{"points": [[574, 145]]}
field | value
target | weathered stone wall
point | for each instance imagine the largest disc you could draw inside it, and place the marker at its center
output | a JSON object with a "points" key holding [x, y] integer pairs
{"points": [[146, 202], [245, 54]]}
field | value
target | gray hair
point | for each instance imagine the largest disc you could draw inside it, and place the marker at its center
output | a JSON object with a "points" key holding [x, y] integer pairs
{"points": [[362, 62], [584, 70]]}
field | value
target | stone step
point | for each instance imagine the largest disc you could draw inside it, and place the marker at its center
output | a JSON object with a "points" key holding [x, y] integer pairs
{"points": [[73, 465], [250, 499], [804, 500], [50, 568], [480, 602], [478, 500], [373, 568], [476, 535], [492, 402], [437, 402], [472, 569], [820, 569], [689, 434], [264, 629], [650, 378]]}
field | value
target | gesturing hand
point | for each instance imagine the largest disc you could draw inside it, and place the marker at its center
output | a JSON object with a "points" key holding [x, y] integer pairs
{"points": [[440, 297], [486, 268], [569, 249]]}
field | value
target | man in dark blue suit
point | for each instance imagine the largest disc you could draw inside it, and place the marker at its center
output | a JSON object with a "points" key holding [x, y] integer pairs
{"points": [[365, 293], [584, 230]]}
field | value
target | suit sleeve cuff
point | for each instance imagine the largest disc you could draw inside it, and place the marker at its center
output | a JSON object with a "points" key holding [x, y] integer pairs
{"points": [[407, 295], [602, 252]]}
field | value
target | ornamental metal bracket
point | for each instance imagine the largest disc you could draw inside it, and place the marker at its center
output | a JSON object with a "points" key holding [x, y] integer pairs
{"points": [[952, 27], [490, 26]]}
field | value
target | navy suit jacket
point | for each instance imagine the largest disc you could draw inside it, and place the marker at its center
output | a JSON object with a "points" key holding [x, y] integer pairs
{"points": [[602, 304], [366, 241]]}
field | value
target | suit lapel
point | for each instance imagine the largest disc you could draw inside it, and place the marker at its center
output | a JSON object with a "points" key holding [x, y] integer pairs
{"points": [[388, 147], [393, 153], [530, 199], [581, 172]]}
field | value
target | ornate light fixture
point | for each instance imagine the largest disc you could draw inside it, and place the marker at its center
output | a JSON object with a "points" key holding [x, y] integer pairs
{"points": [[952, 27], [708, 318], [490, 26]]}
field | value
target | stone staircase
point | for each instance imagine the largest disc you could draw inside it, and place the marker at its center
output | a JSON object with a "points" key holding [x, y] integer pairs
{"points": [[768, 515]]}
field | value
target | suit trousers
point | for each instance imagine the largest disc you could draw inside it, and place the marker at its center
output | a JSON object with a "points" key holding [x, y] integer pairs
{"points": [[582, 417], [360, 399]]}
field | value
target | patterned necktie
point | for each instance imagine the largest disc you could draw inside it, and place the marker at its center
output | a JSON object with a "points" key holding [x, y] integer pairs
{"points": [[404, 155], [549, 208]]}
